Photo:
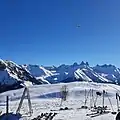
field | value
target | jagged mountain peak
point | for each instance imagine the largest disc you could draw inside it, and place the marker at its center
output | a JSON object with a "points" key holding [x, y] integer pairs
{"points": [[75, 64], [106, 66], [84, 63], [63, 65]]}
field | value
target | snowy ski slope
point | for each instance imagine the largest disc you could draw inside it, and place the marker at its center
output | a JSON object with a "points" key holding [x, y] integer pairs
{"points": [[47, 97]]}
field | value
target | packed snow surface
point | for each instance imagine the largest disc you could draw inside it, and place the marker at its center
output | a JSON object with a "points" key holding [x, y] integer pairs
{"points": [[47, 97]]}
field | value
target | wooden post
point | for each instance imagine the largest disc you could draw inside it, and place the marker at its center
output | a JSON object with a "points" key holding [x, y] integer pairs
{"points": [[29, 103], [64, 93], [7, 107], [103, 99], [7, 104], [117, 102], [92, 98], [95, 101], [85, 98], [21, 101]]}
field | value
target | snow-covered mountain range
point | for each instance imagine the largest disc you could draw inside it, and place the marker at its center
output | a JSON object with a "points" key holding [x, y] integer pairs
{"points": [[76, 72], [15, 76]]}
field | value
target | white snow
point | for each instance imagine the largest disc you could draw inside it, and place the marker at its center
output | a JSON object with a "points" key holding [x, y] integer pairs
{"points": [[46, 97], [41, 78], [80, 74], [13, 63]]}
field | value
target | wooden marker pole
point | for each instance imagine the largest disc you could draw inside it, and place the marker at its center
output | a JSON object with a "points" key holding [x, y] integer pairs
{"points": [[117, 101], [85, 98], [7, 107], [7, 104], [103, 100], [90, 99]]}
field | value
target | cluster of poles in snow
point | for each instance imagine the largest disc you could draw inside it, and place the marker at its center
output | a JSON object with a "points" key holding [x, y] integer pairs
{"points": [[90, 102], [98, 110]]}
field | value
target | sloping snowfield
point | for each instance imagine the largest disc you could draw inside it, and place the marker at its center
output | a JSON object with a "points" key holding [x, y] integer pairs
{"points": [[47, 97]]}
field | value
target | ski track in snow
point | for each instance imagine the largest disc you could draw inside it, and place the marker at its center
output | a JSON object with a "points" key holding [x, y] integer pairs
{"points": [[47, 97]]}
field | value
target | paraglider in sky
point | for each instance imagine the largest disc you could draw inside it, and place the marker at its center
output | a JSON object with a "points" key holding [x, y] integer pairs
{"points": [[77, 26]]}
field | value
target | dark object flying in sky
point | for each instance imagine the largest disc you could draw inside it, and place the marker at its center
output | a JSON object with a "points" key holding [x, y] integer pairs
{"points": [[77, 26]]}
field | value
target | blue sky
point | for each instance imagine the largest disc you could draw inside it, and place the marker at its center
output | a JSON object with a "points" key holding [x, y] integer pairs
{"points": [[44, 31]]}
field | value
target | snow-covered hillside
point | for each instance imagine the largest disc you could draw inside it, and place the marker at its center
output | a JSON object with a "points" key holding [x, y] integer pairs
{"points": [[45, 98], [13, 76]]}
